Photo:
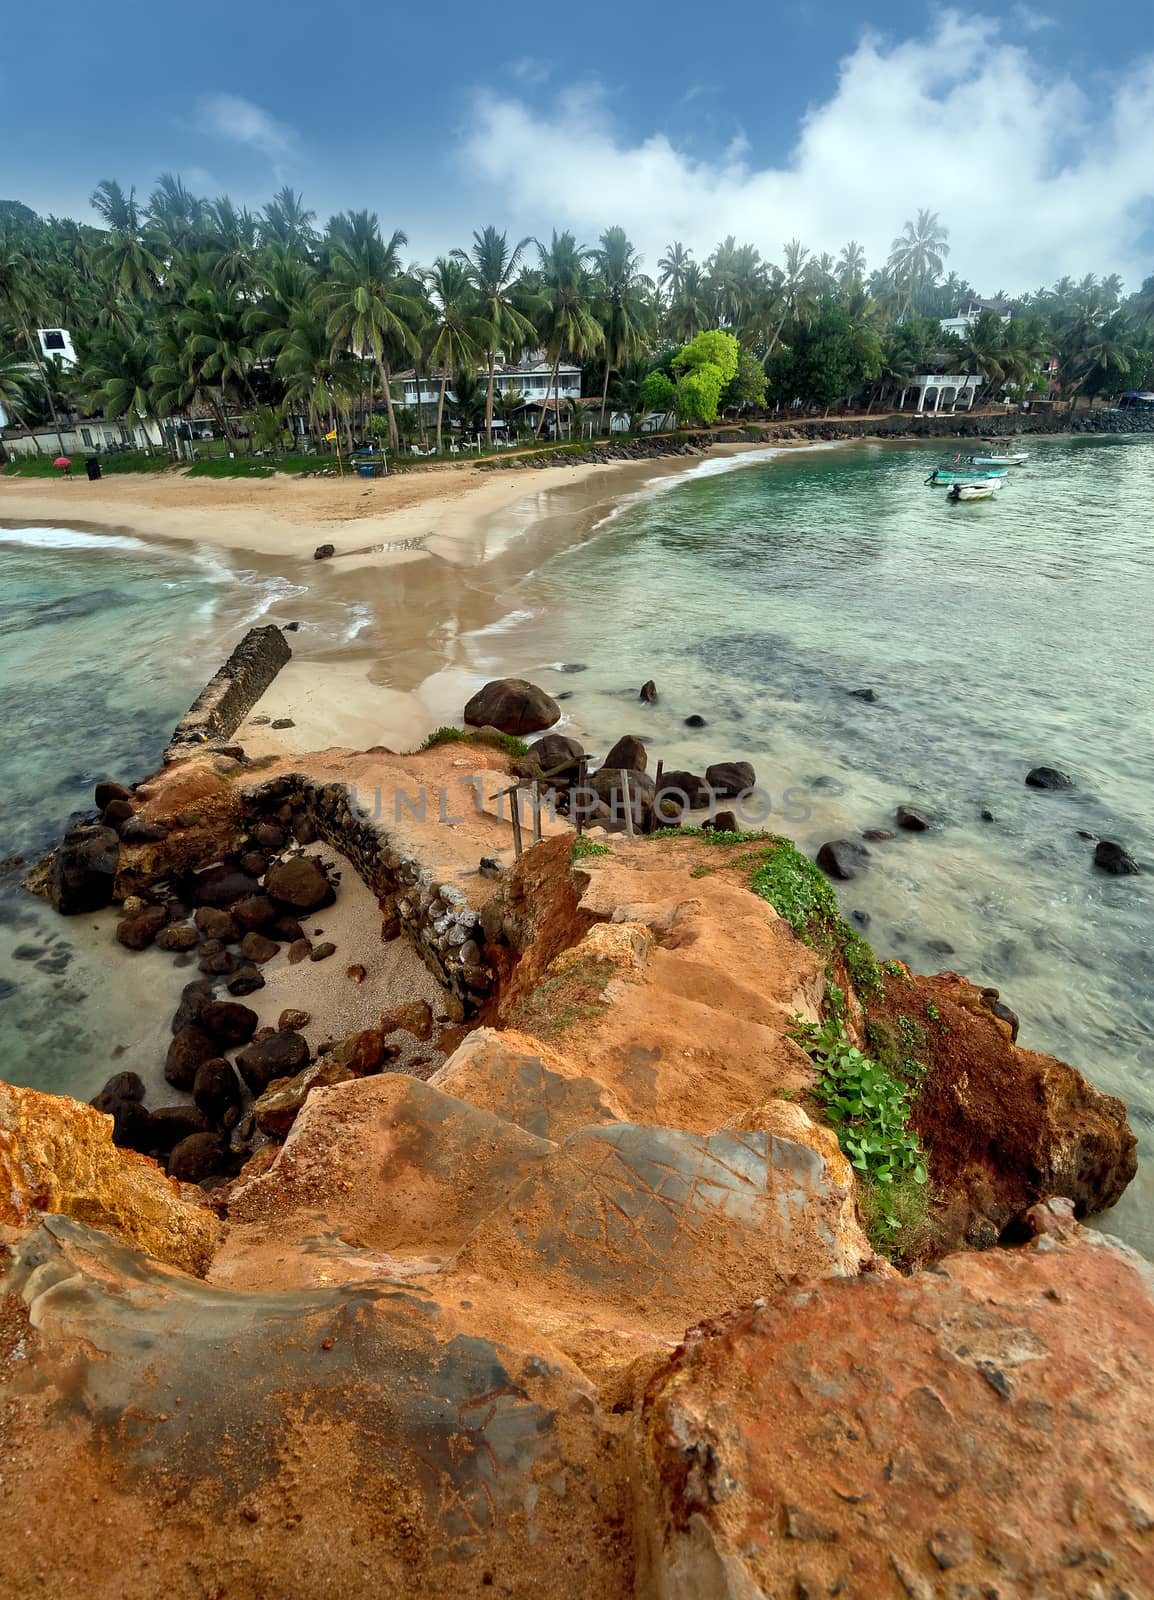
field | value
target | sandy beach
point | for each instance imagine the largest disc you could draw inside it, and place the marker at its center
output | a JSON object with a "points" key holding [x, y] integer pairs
{"points": [[421, 560]]}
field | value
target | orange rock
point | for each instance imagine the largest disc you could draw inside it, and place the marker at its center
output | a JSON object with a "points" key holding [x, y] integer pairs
{"points": [[57, 1156], [979, 1430]]}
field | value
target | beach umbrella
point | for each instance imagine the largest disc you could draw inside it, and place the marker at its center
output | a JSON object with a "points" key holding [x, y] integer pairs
{"points": [[62, 461]]}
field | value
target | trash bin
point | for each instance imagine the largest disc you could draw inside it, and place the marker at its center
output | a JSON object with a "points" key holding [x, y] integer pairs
{"points": [[92, 467], [366, 469]]}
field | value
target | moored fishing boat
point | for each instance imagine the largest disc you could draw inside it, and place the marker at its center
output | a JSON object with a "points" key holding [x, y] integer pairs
{"points": [[943, 477], [1016, 460], [973, 491]]}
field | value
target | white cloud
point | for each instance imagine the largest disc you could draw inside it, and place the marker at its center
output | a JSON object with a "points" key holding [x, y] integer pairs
{"points": [[529, 70], [1033, 179], [231, 117]]}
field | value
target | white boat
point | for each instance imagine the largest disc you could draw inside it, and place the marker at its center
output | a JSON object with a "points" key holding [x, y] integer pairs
{"points": [[974, 491], [1017, 460]]}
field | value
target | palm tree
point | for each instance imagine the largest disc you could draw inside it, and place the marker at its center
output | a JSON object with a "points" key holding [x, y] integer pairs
{"points": [[917, 255], [175, 213], [285, 221], [689, 310], [851, 264], [672, 267], [625, 288], [567, 323], [455, 334], [14, 396], [371, 310], [19, 297], [230, 242], [318, 378], [128, 256], [986, 349], [218, 345], [791, 288], [492, 267], [117, 378]]}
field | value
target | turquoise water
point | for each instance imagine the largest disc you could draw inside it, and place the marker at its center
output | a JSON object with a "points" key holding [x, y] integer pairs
{"points": [[103, 644], [997, 636]]}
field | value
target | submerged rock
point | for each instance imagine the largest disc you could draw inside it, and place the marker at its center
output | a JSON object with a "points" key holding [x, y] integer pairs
{"points": [[842, 858], [912, 820], [83, 871], [730, 779], [1114, 858], [1048, 778]]}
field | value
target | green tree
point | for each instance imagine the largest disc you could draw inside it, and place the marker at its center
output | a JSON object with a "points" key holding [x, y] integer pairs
{"points": [[129, 256], [116, 374], [454, 333], [917, 255], [747, 386], [626, 322], [493, 267], [567, 324], [372, 310]]}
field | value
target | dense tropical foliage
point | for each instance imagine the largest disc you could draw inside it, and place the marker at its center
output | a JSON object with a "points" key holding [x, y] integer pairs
{"points": [[184, 306]]}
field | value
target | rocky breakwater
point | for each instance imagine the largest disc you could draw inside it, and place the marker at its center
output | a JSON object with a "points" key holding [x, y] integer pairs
{"points": [[591, 1312], [642, 449]]}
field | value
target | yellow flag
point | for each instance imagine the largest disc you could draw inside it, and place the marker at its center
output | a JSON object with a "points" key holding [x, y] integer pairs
{"points": [[331, 434]]}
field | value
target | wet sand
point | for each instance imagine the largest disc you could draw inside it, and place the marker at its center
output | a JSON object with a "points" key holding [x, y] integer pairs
{"points": [[421, 560]]}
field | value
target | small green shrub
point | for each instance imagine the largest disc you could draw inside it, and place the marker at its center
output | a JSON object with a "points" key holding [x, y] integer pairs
{"points": [[583, 847], [869, 1108]]}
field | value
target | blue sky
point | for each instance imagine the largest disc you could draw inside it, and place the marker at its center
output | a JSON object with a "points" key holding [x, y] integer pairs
{"points": [[1030, 127]]}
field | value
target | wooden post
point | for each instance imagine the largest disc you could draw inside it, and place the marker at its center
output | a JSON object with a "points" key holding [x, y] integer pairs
{"points": [[536, 812], [582, 774], [515, 819], [657, 775], [628, 803]]}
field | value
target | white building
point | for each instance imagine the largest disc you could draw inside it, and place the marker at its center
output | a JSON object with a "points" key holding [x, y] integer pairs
{"points": [[56, 344], [89, 436], [964, 318], [942, 392], [531, 379]]}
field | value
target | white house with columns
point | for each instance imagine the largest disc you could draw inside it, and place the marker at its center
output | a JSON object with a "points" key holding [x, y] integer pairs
{"points": [[941, 392]]}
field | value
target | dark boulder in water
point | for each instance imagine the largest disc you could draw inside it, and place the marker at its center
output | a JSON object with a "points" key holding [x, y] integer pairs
{"points": [[513, 705], [137, 932], [628, 753], [730, 779], [171, 1124], [911, 820], [84, 870], [107, 791], [648, 692], [1048, 778], [684, 789], [878, 835], [1115, 859], [557, 753], [842, 858], [868, 695], [695, 721]]}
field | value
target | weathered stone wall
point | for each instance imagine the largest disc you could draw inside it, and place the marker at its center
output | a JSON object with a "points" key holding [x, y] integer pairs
{"points": [[436, 916], [229, 696], [979, 426]]}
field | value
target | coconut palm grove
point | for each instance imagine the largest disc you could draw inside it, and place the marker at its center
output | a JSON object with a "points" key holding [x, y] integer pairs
{"points": [[286, 333]]}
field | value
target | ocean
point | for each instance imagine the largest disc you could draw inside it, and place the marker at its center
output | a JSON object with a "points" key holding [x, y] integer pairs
{"points": [[104, 641], [759, 591]]}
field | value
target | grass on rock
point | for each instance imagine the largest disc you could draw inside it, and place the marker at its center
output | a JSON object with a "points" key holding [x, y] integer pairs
{"points": [[508, 742]]}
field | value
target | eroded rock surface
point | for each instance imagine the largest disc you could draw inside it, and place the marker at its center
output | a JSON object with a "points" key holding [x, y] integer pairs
{"points": [[978, 1430], [57, 1155], [361, 1440]]}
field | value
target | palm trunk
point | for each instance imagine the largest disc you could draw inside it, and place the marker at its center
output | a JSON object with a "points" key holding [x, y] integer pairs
{"points": [[604, 392], [489, 398], [394, 436], [553, 385], [420, 407], [441, 405], [35, 351]]}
